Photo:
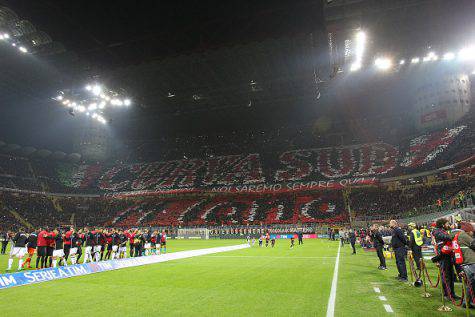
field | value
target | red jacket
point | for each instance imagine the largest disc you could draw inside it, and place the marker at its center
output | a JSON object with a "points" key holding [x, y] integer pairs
{"points": [[131, 237], [42, 238], [67, 237]]}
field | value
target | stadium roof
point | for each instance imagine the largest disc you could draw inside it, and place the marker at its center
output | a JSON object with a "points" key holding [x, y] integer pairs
{"points": [[232, 61]]}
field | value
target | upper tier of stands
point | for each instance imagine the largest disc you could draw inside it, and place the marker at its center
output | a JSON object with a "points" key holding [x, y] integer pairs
{"points": [[252, 171]]}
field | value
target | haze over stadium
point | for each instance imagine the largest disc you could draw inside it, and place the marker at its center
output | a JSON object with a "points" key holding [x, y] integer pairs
{"points": [[237, 158]]}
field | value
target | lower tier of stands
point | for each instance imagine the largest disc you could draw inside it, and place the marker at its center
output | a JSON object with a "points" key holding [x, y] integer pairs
{"points": [[319, 206]]}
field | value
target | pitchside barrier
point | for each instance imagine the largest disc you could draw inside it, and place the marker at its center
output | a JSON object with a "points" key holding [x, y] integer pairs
{"points": [[288, 236], [275, 236], [50, 274]]}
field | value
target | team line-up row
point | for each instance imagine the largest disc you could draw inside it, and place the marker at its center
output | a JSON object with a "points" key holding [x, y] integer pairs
{"points": [[55, 247]]}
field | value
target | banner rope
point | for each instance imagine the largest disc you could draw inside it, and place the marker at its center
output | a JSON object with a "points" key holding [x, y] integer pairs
{"points": [[413, 269], [448, 291], [469, 286], [428, 276]]}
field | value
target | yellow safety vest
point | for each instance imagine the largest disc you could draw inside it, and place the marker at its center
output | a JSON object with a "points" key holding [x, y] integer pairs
{"points": [[417, 237]]}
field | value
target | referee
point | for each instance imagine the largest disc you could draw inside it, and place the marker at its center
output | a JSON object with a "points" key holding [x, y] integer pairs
{"points": [[399, 242]]}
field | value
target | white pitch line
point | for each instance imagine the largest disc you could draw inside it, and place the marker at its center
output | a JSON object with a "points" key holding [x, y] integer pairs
{"points": [[388, 308], [383, 298], [377, 290], [272, 257], [332, 298]]}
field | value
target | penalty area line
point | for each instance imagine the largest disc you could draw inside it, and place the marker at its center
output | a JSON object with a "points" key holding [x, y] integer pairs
{"points": [[332, 298]]}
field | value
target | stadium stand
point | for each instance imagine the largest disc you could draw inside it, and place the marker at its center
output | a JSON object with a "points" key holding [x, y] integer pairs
{"points": [[302, 185], [379, 159]]}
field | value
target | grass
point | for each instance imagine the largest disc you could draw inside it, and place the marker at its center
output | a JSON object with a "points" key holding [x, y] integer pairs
{"points": [[249, 282]]}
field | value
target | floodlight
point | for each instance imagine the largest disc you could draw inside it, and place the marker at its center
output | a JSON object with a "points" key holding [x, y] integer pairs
{"points": [[92, 106], [402, 62], [360, 45], [6, 35], [116, 102], [467, 53], [361, 37], [96, 90], [81, 108], [383, 63], [59, 97], [415, 60], [88, 87], [432, 56], [23, 49], [65, 102], [355, 66], [100, 119], [448, 56], [127, 102], [102, 105], [14, 44]]}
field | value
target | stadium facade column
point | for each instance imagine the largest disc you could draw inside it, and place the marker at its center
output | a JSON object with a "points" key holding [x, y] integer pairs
{"points": [[440, 99], [93, 140]]}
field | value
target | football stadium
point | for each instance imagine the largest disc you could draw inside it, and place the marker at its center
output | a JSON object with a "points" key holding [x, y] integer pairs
{"points": [[237, 158]]}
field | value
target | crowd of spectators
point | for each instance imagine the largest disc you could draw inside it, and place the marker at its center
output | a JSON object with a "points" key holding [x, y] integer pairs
{"points": [[307, 207], [381, 202], [431, 150], [324, 132], [410, 198]]}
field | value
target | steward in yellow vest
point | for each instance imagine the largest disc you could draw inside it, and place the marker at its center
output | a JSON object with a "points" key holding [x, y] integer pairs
{"points": [[415, 243]]}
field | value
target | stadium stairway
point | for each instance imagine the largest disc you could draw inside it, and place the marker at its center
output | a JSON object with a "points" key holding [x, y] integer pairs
{"points": [[43, 185], [57, 206], [20, 219]]}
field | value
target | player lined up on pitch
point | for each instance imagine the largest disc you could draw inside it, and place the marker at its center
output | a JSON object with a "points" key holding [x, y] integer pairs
{"points": [[267, 237], [58, 246]]}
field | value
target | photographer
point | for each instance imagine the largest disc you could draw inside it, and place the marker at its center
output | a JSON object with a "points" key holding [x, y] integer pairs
{"points": [[464, 251], [444, 256]]}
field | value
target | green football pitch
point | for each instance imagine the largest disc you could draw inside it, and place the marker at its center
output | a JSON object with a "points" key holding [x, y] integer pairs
{"points": [[250, 282]]}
